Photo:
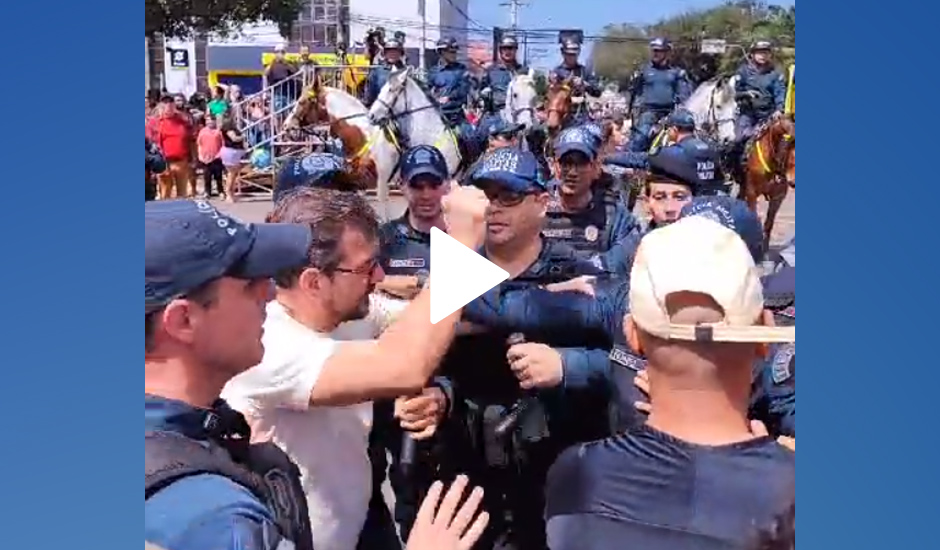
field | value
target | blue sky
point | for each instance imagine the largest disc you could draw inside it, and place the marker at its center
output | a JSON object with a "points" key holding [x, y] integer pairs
{"points": [[589, 15]]}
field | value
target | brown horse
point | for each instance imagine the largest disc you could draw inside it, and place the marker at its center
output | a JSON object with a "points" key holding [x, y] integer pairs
{"points": [[558, 103], [370, 152], [770, 167]]}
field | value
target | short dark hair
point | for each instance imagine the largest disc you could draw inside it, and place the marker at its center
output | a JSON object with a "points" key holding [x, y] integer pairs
{"points": [[329, 214], [204, 295]]}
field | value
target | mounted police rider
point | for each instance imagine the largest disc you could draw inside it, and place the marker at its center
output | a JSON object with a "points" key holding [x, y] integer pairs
{"points": [[393, 60], [760, 90], [583, 79], [496, 79], [660, 88], [450, 84], [680, 132]]}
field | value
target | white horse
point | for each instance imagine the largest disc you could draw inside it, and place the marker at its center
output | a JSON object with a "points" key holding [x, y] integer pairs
{"points": [[714, 107], [521, 97], [417, 115]]}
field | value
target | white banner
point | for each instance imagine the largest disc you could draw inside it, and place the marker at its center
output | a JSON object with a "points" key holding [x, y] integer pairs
{"points": [[179, 67]]}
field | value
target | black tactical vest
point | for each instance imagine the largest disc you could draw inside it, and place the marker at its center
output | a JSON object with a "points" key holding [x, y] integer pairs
{"points": [[265, 471], [586, 231]]}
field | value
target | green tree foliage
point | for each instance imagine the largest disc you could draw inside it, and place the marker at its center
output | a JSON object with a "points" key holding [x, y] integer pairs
{"points": [[182, 18], [624, 47]]}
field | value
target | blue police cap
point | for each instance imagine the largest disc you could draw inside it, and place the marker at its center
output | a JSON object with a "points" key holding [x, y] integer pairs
{"points": [[595, 131], [189, 243], [733, 214], [675, 163], [508, 42], [502, 127], [423, 159], [780, 288], [570, 46], [316, 170], [576, 139], [393, 44], [660, 44], [510, 167], [682, 119]]}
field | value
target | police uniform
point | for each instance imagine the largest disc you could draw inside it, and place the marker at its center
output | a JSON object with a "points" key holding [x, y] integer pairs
{"points": [[773, 399], [494, 85], [604, 222], [659, 88], [563, 72], [378, 76], [760, 91], [511, 467], [205, 486]]}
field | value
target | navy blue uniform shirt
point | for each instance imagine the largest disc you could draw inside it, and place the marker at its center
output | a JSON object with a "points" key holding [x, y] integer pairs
{"points": [[646, 489], [202, 511]]}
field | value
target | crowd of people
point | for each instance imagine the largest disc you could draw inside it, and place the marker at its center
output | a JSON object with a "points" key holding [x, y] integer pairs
{"points": [[630, 386]]}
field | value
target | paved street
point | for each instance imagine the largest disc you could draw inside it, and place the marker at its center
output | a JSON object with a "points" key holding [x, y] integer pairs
{"points": [[254, 210]]}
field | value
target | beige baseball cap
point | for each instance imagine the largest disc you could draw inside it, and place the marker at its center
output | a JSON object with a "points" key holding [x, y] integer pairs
{"points": [[696, 254]]}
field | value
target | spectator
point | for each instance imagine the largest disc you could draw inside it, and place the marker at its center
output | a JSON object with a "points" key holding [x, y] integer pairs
{"points": [[218, 105], [278, 71], [233, 151], [173, 135], [154, 163], [206, 280], [694, 476], [209, 143], [314, 390]]}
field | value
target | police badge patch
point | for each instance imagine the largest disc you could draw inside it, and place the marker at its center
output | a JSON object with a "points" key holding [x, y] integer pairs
{"points": [[622, 357], [590, 233], [783, 365]]}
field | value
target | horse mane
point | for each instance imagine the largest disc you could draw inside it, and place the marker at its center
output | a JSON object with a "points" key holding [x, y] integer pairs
{"points": [[760, 130]]}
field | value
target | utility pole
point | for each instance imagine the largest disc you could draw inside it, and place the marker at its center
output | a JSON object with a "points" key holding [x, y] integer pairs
{"points": [[422, 11], [514, 6]]}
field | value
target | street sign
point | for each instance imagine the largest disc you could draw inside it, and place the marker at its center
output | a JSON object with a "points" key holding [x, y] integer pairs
{"points": [[713, 46]]}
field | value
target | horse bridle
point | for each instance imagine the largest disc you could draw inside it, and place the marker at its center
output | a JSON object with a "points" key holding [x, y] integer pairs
{"points": [[392, 116]]}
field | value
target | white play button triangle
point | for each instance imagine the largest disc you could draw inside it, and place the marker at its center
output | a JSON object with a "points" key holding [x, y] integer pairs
{"points": [[459, 275]]}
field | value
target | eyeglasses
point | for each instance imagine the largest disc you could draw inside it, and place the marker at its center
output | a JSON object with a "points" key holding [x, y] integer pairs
{"points": [[367, 269]]}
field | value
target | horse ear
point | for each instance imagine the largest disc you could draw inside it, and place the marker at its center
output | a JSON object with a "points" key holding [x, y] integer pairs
{"points": [[531, 73]]}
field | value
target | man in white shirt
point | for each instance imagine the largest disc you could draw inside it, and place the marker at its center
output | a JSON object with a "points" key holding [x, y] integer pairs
{"points": [[312, 391]]}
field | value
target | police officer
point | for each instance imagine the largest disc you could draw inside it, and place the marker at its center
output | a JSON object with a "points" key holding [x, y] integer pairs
{"points": [[393, 60], [206, 281], [679, 136], [773, 400], [603, 307], [760, 90], [659, 88], [316, 170], [496, 78], [500, 133], [581, 213], [450, 84], [583, 80], [490, 376], [405, 252]]}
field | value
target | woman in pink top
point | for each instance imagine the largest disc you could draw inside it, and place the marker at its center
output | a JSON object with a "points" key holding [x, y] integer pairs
{"points": [[209, 149]]}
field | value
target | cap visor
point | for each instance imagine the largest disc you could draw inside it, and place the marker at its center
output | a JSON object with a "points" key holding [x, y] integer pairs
{"points": [[566, 148], [422, 170], [277, 246], [780, 288]]}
